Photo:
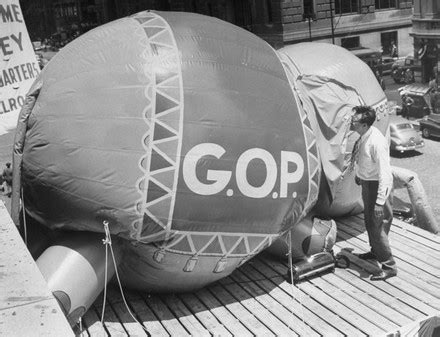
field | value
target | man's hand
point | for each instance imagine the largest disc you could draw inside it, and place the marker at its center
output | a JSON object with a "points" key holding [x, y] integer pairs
{"points": [[378, 211]]}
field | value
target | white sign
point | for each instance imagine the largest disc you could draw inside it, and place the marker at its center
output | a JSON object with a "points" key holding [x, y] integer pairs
{"points": [[18, 64]]}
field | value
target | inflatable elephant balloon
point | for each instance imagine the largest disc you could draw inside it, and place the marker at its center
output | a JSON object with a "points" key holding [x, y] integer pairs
{"points": [[189, 143]]}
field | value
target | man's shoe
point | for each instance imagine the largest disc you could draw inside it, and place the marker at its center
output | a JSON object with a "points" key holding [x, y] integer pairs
{"points": [[367, 256], [384, 274]]}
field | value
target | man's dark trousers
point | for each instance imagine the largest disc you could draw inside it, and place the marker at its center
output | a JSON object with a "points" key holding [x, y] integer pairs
{"points": [[378, 228]]}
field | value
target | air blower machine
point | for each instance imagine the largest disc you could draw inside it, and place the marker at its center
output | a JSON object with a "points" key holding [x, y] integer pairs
{"points": [[317, 248], [316, 264]]}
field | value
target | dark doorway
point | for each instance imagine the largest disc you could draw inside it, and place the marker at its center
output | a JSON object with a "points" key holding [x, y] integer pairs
{"points": [[387, 39]]}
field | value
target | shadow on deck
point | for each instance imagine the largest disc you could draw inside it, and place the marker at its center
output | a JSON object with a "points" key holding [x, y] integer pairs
{"points": [[257, 300]]}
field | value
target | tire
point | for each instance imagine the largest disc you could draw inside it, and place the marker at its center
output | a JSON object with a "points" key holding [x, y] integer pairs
{"points": [[409, 76], [395, 74], [426, 133]]}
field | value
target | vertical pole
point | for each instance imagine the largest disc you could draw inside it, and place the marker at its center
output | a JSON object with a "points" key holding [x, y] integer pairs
{"points": [[310, 30], [331, 21]]}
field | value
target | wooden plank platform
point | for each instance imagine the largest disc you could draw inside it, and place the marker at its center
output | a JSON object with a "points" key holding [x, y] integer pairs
{"points": [[256, 299], [27, 307]]}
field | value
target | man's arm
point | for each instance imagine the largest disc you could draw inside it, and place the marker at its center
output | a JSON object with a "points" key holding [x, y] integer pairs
{"points": [[382, 157]]}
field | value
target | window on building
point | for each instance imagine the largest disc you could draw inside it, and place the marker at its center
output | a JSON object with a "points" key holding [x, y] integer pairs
{"points": [[385, 4], [269, 18], [389, 43], [308, 9], [350, 42], [163, 5], [346, 6], [243, 14]]}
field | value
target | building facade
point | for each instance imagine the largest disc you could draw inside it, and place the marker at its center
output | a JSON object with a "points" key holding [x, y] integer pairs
{"points": [[372, 24], [349, 23], [426, 34]]}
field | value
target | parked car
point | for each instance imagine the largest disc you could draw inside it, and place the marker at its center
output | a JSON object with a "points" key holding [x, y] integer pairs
{"points": [[387, 64], [404, 136], [421, 96], [430, 125], [374, 60], [402, 70]]}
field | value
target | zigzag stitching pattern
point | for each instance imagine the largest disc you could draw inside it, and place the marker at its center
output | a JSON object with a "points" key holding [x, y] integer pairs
{"points": [[316, 174], [266, 240], [151, 118]]}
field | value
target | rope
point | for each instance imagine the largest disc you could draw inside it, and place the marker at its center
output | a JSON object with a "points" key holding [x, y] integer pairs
{"points": [[292, 286], [80, 325], [108, 243], [24, 218]]}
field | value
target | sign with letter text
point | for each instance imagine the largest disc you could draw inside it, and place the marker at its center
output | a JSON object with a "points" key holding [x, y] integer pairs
{"points": [[18, 64]]}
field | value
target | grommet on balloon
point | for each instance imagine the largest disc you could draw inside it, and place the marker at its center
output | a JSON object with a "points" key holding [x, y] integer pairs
{"points": [[221, 265], [190, 264], [159, 255]]}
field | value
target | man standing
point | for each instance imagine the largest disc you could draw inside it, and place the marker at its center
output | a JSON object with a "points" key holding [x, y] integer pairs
{"points": [[393, 49], [407, 102], [373, 173], [7, 177]]}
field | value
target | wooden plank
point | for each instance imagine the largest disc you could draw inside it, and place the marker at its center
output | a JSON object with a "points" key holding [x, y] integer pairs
{"points": [[422, 268], [148, 319], [256, 299], [166, 317], [305, 298], [377, 304], [125, 315], [351, 302], [340, 309], [140, 308], [411, 272], [402, 295], [264, 297], [93, 324], [25, 296], [401, 302], [416, 232], [404, 241], [417, 249], [408, 281], [254, 305], [209, 321], [186, 318], [415, 240], [306, 316], [111, 321], [232, 323], [238, 310]]}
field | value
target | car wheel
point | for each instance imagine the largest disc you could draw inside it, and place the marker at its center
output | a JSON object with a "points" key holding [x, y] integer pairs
{"points": [[426, 133], [395, 76], [409, 76]]}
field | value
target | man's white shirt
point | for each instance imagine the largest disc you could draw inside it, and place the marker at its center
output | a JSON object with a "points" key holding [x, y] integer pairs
{"points": [[373, 162]]}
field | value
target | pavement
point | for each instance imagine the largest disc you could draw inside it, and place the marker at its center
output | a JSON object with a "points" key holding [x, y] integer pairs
{"points": [[6, 142], [423, 161]]}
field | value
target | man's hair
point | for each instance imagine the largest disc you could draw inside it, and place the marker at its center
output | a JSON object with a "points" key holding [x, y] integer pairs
{"points": [[8, 164], [367, 114]]}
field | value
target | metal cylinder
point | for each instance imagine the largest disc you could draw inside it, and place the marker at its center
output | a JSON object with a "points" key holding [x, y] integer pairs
{"points": [[75, 269], [314, 264]]}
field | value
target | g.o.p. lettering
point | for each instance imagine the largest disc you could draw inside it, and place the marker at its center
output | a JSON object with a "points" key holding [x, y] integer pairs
{"points": [[217, 180]]}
